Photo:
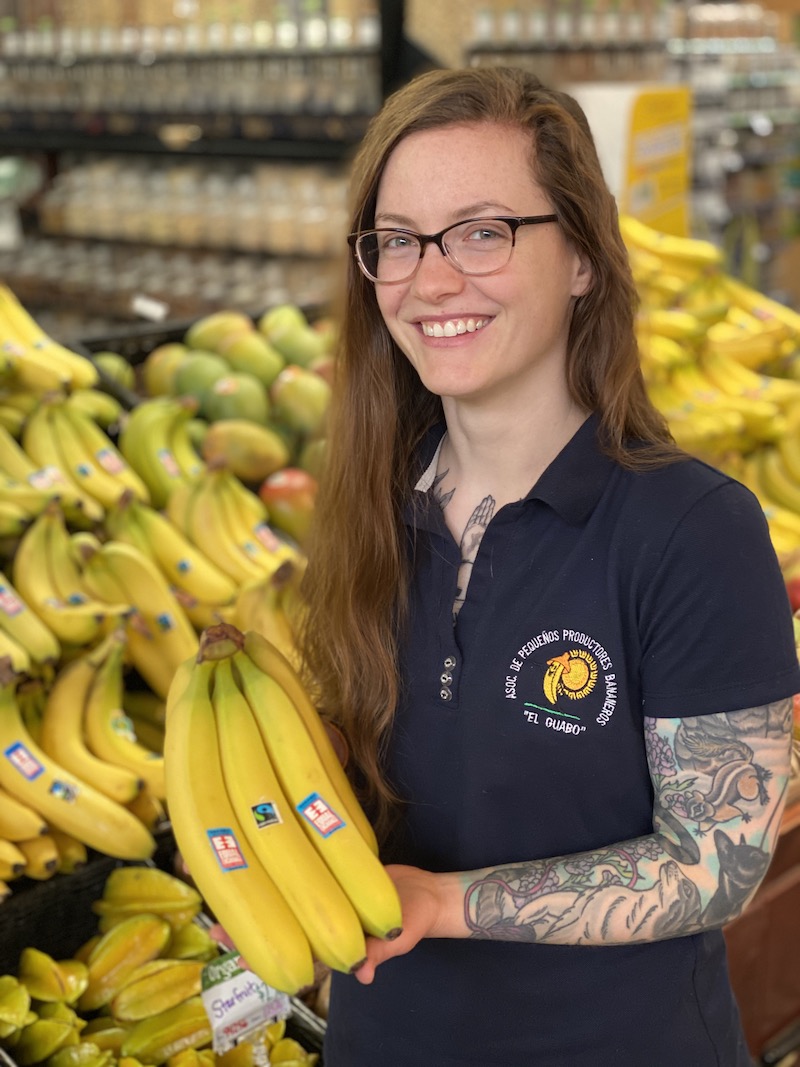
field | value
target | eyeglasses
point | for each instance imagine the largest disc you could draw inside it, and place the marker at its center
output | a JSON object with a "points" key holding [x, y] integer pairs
{"points": [[475, 246]]}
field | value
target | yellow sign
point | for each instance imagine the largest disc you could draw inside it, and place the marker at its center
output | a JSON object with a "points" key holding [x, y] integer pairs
{"points": [[656, 189]]}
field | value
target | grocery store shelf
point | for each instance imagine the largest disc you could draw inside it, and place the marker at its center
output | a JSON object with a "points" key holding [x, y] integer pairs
{"points": [[297, 137]]}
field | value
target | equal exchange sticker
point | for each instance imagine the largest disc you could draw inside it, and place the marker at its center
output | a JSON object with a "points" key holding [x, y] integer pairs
{"points": [[226, 849], [323, 818]]}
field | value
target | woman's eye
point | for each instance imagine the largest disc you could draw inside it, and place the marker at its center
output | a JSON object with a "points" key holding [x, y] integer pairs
{"points": [[397, 242], [484, 233]]}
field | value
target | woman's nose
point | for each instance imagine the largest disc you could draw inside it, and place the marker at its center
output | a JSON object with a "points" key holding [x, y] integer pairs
{"points": [[437, 275]]}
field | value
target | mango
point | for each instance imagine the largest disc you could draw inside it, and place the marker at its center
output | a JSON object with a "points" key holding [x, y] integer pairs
{"points": [[289, 495], [236, 396], [197, 373], [251, 352], [251, 450], [159, 367], [287, 328], [300, 399], [116, 367], [208, 331]]}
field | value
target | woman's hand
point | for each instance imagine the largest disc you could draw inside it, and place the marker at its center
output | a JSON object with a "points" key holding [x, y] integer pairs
{"points": [[423, 897]]}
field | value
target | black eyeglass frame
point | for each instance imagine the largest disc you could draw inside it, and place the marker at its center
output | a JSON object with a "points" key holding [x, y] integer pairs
{"points": [[512, 221]]}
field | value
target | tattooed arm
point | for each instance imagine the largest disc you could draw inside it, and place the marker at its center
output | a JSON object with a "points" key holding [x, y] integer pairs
{"points": [[719, 784]]}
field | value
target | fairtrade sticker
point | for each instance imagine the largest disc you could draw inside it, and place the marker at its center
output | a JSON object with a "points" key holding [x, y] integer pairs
{"points": [[265, 814]]}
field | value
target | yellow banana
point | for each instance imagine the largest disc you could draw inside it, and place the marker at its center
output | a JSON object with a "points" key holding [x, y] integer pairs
{"points": [[40, 443], [101, 407], [762, 418], [62, 730], [18, 821], [79, 463], [246, 518], [72, 853], [678, 325], [763, 307], [12, 860], [270, 661], [259, 607], [16, 654], [80, 371], [777, 481], [104, 456], [668, 246], [278, 841], [33, 369], [45, 575], [186, 455], [235, 886], [183, 564], [313, 796], [146, 442], [12, 420], [25, 627], [41, 857], [14, 520], [737, 379], [25, 496], [752, 350], [176, 508], [149, 810], [788, 446], [61, 799], [108, 730], [207, 528], [146, 588]]}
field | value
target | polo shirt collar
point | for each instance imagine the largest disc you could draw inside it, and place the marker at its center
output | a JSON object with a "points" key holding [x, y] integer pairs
{"points": [[572, 484]]}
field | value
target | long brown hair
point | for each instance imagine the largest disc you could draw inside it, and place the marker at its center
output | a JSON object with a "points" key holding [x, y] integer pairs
{"points": [[357, 577]]}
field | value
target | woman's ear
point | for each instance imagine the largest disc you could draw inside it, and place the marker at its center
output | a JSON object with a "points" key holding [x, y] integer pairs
{"points": [[584, 276]]}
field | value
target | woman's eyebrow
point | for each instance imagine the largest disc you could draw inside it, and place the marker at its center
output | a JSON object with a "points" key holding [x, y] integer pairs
{"points": [[466, 212]]}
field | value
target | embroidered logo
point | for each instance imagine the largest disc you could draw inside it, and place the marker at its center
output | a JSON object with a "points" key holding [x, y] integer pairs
{"points": [[572, 674], [553, 674]]}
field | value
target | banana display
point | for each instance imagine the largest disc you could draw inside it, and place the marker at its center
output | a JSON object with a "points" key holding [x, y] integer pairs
{"points": [[130, 996], [119, 545], [264, 816], [722, 363]]}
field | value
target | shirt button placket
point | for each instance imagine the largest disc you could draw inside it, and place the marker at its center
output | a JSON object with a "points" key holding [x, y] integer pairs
{"points": [[446, 678]]}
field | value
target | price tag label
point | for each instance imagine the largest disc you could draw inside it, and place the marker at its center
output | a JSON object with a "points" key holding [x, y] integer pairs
{"points": [[147, 307], [237, 1002]]}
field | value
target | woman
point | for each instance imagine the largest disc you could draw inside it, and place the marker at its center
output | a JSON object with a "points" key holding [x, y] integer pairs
{"points": [[561, 651]]}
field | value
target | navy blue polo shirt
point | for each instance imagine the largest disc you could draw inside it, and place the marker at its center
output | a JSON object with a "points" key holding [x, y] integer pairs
{"points": [[604, 596]]}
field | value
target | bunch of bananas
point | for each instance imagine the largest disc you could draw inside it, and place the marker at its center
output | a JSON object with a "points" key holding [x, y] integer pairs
{"points": [[33, 361], [265, 817], [228, 522], [118, 546], [722, 362], [130, 995], [47, 792], [201, 587], [155, 441]]}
